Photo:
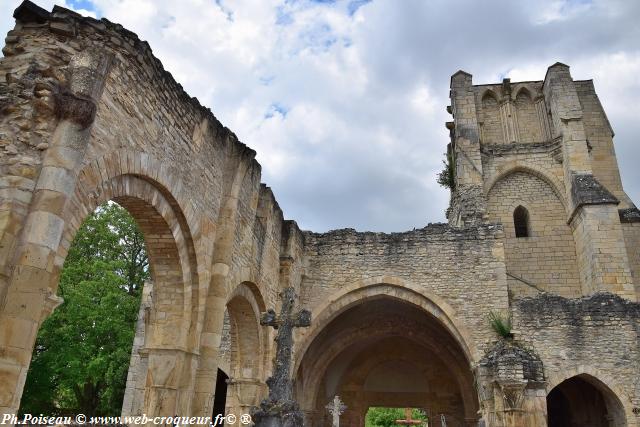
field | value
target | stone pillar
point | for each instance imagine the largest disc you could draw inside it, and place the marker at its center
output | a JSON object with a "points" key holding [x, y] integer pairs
{"points": [[32, 285], [167, 390], [600, 248], [593, 215], [211, 335], [207, 372], [468, 204], [243, 394], [133, 402]]}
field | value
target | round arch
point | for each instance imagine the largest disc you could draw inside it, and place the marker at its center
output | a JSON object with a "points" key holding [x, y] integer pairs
{"points": [[244, 306], [243, 349], [613, 392], [121, 177]]}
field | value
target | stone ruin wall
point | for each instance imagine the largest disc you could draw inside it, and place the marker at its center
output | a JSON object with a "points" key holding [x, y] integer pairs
{"points": [[597, 336], [438, 260], [146, 124], [142, 112]]}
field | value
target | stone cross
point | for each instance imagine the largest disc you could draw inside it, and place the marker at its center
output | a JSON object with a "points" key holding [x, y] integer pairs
{"points": [[408, 421], [336, 408], [279, 409]]}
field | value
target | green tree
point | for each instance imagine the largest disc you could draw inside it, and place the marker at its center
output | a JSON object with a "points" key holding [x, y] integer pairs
{"points": [[82, 351], [386, 417]]}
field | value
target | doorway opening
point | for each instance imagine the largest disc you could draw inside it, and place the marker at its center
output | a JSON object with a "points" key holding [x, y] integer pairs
{"points": [[220, 399], [584, 401]]}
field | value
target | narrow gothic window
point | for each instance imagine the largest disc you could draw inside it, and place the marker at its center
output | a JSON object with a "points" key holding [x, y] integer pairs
{"points": [[521, 221]]}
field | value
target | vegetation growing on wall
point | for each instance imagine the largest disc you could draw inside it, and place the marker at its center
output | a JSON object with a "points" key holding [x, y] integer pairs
{"points": [[501, 324], [82, 352], [447, 176]]}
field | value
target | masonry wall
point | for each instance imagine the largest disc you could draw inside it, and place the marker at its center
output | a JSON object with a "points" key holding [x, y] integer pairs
{"points": [[631, 232], [547, 258], [600, 136], [529, 126], [450, 263], [147, 127], [144, 110], [517, 105], [597, 336]]}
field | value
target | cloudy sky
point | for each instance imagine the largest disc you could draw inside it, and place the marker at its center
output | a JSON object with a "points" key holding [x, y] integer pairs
{"points": [[344, 101]]}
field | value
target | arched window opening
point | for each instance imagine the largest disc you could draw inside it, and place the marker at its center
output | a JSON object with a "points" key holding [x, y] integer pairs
{"points": [[521, 221]]}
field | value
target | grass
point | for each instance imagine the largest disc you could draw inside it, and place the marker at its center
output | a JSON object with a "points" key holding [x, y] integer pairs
{"points": [[501, 324]]}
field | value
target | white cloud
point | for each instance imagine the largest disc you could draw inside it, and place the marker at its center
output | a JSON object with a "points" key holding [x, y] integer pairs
{"points": [[347, 110], [559, 10]]}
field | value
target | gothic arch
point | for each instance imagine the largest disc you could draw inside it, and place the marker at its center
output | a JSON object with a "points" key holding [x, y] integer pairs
{"points": [[490, 119], [613, 393], [529, 126], [489, 93], [518, 166], [377, 287], [456, 364], [243, 350], [440, 336], [524, 91]]}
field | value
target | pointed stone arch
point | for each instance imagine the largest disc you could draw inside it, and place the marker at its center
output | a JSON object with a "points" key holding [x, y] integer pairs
{"points": [[490, 122], [396, 288], [143, 184], [619, 405], [317, 356], [518, 166], [529, 126]]}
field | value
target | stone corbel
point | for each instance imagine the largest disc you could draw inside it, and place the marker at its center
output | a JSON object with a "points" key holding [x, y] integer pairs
{"points": [[51, 302], [76, 108]]}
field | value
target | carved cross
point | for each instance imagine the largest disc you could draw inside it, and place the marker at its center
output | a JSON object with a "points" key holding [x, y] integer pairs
{"points": [[280, 389], [336, 408], [408, 419]]}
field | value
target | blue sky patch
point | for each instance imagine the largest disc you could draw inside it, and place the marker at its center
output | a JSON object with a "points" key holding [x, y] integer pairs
{"points": [[276, 108], [354, 5]]}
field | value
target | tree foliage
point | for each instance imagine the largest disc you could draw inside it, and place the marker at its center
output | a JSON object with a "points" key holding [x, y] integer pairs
{"points": [[386, 417], [82, 351]]}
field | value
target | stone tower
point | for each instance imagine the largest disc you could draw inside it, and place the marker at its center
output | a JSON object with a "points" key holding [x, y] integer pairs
{"points": [[538, 157]]}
